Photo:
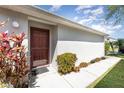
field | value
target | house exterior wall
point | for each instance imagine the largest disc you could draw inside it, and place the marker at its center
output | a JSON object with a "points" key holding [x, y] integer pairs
{"points": [[24, 26], [84, 44], [18, 17], [13, 16], [63, 39]]}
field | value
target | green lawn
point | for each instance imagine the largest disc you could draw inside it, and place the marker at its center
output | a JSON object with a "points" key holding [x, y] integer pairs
{"points": [[115, 78], [117, 55]]}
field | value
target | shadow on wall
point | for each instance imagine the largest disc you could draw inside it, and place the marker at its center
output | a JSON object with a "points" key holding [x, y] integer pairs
{"points": [[71, 34]]}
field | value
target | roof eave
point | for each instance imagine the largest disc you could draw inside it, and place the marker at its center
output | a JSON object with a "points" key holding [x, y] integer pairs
{"points": [[38, 13]]}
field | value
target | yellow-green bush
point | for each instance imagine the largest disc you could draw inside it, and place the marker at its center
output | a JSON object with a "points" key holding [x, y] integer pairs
{"points": [[66, 62], [76, 69], [83, 64], [97, 59]]}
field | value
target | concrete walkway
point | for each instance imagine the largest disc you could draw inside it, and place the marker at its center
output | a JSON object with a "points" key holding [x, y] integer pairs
{"points": [[49, 77]]}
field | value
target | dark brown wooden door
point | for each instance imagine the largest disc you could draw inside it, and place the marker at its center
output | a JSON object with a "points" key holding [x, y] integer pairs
{"points": [[39, 47]]}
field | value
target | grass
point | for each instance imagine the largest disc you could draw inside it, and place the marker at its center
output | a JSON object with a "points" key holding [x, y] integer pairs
{"points": [[115, 78], [117, 55]]}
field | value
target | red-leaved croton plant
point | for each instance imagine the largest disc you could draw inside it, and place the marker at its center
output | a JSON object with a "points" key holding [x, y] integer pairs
{"points": [[13, 63]]}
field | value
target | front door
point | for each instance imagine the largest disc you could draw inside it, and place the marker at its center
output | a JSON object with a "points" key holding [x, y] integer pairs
{"points": [[39, 47]]}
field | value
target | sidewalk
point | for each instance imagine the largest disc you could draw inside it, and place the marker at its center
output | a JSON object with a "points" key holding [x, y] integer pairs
{"points": [[49, 77]]}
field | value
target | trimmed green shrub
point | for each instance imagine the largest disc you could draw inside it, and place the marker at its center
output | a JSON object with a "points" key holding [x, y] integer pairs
{"points": [[92, 61], [103, 58], [66, 62], [83, 64], [97, 59], [76, 69]]}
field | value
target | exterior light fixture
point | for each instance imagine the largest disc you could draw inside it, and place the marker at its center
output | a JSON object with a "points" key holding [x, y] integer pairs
{"points": [[15, 24]]}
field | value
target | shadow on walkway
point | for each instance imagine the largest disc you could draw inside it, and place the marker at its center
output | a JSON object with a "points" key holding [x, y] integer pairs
{"points": [[33, 76]]}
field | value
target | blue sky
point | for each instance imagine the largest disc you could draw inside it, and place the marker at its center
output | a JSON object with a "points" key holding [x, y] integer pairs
{"points": [[91, 16]]}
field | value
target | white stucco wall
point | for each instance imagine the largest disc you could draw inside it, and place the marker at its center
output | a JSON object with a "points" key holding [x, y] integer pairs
{"points": [[18, 17], [84, 44], [13, 16], [62, 38], [23, 26]]}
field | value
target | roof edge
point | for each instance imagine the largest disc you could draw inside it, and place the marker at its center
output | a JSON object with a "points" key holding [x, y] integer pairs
{"points": [[63, 18], [29, 10]]}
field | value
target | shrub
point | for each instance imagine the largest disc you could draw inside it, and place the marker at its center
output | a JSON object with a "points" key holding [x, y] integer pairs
{"points": [[76, 69], [97, 59], [107, 47], [4, 85], [103, 58], [13, 63], [92, 61], [83, 64], [13, 66], [121, 45], [66, 62]]}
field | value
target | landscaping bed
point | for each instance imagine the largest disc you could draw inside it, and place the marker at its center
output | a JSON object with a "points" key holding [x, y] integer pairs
{"points": [[81, 79], [66, 63]]}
